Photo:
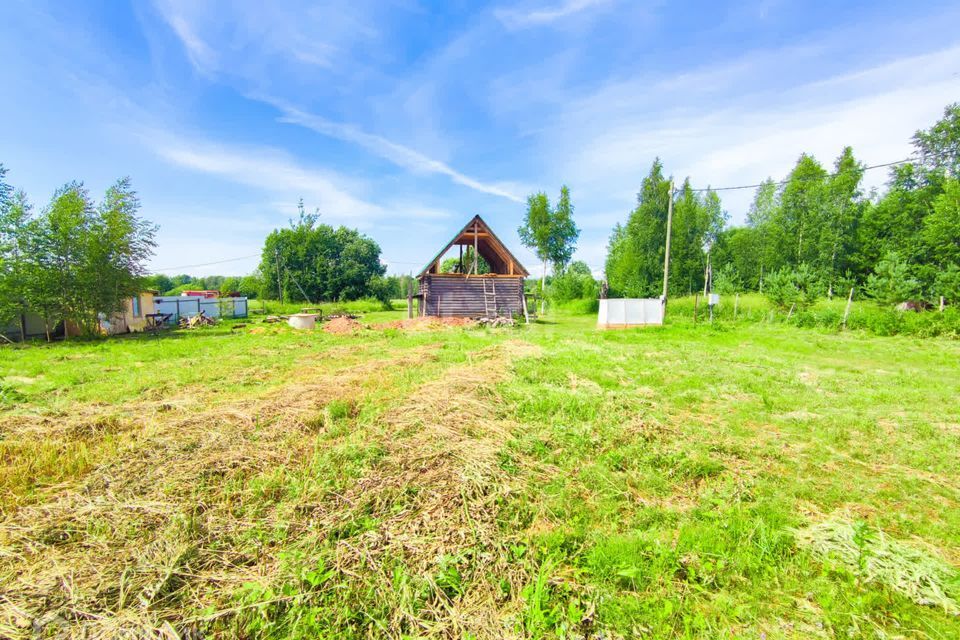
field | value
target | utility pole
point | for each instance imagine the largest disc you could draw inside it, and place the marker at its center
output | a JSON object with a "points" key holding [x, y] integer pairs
{"points": [[666, 255]]}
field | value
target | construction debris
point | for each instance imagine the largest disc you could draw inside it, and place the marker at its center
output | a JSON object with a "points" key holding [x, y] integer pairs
{"points": [[499, 321], [199, 320]]}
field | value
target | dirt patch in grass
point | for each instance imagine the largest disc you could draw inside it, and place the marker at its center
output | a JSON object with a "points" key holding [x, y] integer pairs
{"points": [[342, 326], [426, 324]]}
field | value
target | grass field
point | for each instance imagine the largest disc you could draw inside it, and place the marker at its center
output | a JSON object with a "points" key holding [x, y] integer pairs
{"points": [[750, 480]]}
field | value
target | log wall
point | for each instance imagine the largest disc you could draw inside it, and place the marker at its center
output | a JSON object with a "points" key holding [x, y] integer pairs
{"points": [[462, 296]]}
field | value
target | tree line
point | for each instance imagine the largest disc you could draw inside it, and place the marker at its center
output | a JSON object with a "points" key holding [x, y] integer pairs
{"points": [[816, 230], [75, 260]]}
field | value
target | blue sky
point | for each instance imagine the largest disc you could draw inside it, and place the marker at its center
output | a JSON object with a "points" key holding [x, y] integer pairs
{"points": [[405, 118]]}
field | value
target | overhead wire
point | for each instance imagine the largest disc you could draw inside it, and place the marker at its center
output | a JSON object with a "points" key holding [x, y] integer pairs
{"points": [[676, 190]]}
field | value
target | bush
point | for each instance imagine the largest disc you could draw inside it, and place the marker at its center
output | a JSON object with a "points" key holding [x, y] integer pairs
{"points": [[575, 283], [796, 289], [890, 282], [726, 281], [382, 290]]}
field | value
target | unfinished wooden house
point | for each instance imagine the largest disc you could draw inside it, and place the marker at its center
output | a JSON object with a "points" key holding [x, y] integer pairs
{"points": [[463, 292]]}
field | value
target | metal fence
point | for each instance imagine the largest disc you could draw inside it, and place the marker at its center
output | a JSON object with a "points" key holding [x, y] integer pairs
{"points": [[189, 306]]}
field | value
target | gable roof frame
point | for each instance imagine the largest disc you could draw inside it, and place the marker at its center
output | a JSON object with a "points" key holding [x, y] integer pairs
{"points": [[519, 269]]}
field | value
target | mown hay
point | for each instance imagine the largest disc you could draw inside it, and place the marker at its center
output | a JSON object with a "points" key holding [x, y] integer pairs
{"points": [[169, 522], [913, 572], [436, 497]]}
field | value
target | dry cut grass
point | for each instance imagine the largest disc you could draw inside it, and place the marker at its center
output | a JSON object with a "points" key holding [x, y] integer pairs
{"points": [[165, 516]]}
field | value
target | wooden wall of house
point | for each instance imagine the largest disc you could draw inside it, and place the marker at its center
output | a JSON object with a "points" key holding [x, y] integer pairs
{"points": [[462, 296]]}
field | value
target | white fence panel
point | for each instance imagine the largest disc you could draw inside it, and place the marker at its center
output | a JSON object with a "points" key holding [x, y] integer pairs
{"points": [[630, 312]]}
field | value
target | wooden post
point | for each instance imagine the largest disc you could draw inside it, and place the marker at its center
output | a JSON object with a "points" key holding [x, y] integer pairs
{"points": [[696, 306], [942, 304], [666, 254], [736, 306], [476, 256], [846, 312], [409, 300]]}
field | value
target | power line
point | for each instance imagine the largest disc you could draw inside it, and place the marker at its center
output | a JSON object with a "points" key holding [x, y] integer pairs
{"points": [[204, 264], [789, 180]]}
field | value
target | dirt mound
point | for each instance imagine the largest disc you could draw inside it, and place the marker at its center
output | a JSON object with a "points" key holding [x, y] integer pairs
{"points": [[426, 324], [342, 326]]}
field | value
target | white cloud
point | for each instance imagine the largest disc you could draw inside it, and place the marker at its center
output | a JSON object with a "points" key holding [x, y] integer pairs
{"points": [[514, 18], [398, 154]]}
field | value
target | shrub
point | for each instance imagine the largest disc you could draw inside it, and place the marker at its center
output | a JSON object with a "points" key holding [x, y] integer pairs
{"points": [[890, 282], [575, 283], [726, 281], [793, 288]]}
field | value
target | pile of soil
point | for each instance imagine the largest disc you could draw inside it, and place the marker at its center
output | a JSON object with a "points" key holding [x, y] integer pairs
{"points": [[342, 326], [426, 324]]}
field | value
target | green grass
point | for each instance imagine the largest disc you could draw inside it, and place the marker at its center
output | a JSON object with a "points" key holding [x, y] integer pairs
{"points": [[865, 316], [735, 479]]}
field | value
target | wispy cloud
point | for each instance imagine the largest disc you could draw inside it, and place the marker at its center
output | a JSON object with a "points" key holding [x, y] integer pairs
{"points": [[398, 154], [283, 179], [267, 169], [200, 54], [519, 18]]}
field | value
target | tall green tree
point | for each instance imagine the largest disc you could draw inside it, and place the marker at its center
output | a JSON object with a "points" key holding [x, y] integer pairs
{"points": [[634, 265], [120, 243], [939, 146], [314, 261], [842, 212], [563, 232], [801, 216], [15, 214], [535, 232], [550, 233]]}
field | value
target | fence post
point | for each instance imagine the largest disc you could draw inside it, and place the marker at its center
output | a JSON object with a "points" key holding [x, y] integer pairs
{"points": [[846, 312], [736, 306], [409, 300], [696, 307], [942, 304]]}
